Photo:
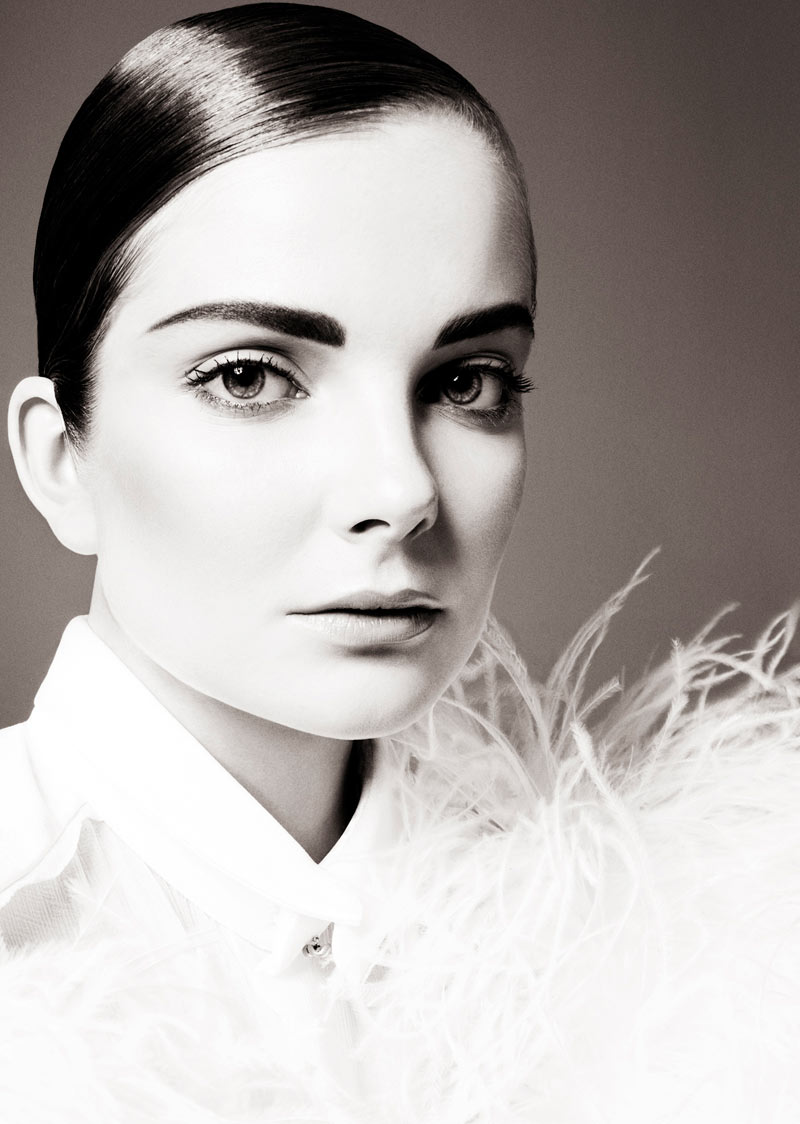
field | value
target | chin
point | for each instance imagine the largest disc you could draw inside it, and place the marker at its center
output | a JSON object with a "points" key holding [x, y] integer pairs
{"points": [[375, 706], [344, 694], [365, 723], [377, 717]]}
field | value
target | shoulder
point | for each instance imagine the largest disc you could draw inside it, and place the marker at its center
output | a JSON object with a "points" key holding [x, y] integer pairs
{"points": [[20, 798], [35, 814], [627, 877], [12, 746]]}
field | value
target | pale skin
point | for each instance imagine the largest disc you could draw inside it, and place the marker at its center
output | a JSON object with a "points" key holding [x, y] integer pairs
{"points": [[222, 518]]}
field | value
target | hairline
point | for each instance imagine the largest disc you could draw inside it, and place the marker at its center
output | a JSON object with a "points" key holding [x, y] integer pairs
{"points": [[120, 260]]}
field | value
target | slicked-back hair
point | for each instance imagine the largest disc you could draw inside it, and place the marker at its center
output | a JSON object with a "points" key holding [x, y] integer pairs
{"points": [[187, 99]]}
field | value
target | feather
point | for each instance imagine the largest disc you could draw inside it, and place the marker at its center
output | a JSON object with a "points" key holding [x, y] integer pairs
{"points": [[592, 915]]}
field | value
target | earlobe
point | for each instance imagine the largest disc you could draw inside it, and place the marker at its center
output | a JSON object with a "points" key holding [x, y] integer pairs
{"points": [[46, 464]]}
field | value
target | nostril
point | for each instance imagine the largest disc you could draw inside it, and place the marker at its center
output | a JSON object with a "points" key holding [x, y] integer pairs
{"points": [[367, 525]]}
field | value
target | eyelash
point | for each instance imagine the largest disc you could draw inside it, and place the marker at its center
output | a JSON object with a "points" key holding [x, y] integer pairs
{"points": [[221, 365], [513, 384]]}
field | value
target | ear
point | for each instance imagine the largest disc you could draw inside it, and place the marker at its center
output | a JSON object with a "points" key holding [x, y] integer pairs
{"points": [[47, 465]]}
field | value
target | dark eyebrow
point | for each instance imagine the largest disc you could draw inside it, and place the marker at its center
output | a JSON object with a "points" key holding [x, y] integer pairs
{"points": [[290, 321], [486, 320]]}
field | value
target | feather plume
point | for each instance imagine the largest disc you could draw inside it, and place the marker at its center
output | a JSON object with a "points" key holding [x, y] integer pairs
{"points": [[593, 915]]}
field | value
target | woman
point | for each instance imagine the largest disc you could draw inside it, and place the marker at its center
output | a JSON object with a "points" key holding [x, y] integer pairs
{"points": [[288, 834]]}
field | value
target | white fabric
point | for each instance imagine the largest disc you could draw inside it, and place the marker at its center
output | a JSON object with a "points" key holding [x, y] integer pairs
{"points": [[535, 921], [115, 818]]}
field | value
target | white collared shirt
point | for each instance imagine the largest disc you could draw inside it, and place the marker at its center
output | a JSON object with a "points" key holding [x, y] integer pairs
{"points": [[115, 821]]}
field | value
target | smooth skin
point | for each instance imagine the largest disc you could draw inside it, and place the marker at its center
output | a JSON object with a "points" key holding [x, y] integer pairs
{"points": [[220, 509]]}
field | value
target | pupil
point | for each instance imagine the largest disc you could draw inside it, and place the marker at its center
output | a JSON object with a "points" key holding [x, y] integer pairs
{"points": [[242, 382], [464, 386]]}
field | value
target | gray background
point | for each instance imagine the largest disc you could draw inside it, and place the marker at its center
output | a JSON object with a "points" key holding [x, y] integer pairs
{"points": [[661, 142]]}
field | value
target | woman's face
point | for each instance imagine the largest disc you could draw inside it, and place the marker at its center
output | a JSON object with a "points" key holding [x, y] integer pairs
{"points": [[307, 449]]}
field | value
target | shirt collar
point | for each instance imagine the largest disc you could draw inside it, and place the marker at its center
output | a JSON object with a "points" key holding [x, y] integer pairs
{"points": [[161, 792]]}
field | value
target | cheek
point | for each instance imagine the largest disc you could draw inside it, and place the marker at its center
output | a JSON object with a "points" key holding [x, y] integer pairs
{"points": [[188, 514], [481, 485]]}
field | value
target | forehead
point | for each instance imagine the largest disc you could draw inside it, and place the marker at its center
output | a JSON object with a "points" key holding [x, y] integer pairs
{"points": [[409, 217]]}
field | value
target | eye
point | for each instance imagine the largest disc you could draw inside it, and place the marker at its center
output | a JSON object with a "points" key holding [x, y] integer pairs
{"points": [[246, 380], [484, 384]]}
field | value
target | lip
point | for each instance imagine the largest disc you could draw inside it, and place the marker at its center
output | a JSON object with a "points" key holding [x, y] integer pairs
{"points": [[370, 618], [375, 601]]}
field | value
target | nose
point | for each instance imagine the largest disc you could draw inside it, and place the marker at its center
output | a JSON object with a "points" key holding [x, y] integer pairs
{"points": [[388, 491]]}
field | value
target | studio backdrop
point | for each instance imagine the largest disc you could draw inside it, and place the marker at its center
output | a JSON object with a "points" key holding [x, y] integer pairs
{"points": [[660, 142]]}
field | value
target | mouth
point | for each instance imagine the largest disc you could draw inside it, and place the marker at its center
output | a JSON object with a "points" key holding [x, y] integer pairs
{"points": [[369, 618]]}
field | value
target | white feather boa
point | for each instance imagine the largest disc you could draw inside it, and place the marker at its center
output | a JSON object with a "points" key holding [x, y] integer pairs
{"points": [[585, 924]]}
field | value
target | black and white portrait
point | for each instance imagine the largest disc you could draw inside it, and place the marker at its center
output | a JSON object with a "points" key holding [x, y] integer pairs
{"points": [[400, 571]]}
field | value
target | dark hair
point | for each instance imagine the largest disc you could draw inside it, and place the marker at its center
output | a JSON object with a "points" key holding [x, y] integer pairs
{"points": [[193, 96]]}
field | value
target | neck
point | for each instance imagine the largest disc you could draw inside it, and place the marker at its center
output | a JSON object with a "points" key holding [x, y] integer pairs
{"points": [[309, 784]]}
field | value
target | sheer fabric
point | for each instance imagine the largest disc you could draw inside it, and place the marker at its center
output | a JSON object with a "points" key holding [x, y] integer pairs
{"points": [[549, 905]]}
